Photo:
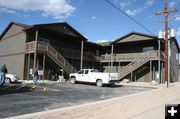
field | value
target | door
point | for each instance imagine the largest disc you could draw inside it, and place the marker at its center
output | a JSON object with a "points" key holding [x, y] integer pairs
{"points": [[83, 75], [86, 76]]}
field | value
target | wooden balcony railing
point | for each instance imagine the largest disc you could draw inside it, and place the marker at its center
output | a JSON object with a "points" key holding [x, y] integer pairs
{"points": [[52, 53], [75, 54], [128, 57], [30, 47]]}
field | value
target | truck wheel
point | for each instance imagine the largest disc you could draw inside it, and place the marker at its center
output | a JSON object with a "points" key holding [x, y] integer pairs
{"points": [[99, 83], [73, 80]]}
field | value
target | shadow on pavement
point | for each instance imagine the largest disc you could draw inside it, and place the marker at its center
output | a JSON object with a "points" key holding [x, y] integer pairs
{"points": [[14, 88], [18, 82], [106, 85]]}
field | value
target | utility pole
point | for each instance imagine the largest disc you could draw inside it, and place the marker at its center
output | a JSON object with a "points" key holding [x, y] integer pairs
{"points": [[165, 13]]}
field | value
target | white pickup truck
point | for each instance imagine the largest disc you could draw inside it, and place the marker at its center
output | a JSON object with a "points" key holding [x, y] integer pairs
{"points": [[94, 76]]}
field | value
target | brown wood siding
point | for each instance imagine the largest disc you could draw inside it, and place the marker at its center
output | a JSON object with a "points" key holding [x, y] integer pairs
{"points": [[14, 29], [174, 62], [12, 53], [134, 38]]}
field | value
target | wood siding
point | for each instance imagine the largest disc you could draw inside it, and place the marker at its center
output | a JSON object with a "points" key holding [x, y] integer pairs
{"points": [[12, 52], [174, 62], [134, 38], [15, 29]]}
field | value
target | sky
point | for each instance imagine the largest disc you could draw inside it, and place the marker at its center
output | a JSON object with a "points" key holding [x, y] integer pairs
{"points": [[97, 20]]}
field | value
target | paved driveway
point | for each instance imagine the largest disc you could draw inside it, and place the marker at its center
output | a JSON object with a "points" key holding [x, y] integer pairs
{"points": [[22, 99]]}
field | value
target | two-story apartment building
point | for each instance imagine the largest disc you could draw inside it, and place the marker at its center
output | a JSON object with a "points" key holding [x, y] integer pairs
{"points": [[58, 46], [140, 57]]}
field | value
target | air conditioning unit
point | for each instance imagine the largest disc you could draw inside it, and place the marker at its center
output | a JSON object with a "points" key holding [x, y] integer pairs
{"points": [[173, 33]]}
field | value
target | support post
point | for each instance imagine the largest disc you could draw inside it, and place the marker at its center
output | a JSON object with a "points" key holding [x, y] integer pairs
{"points": [[37, 63], [112, 48], [166, 44], [44, 61], [119, 68], [35, 52], [131, 76], [150, 70], [153, 72], [159, 61], [162, 72], [82, 47], [28, 68], [169, 59]]}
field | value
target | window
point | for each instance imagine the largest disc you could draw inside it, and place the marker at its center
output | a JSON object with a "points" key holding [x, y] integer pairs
{"points": [[145, 49], [94, 70], [97, 52], [81, 72], [86, 71]]}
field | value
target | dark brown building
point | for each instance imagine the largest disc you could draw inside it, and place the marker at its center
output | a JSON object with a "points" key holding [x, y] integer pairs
{"points": [[140, 57], [58, 46]]}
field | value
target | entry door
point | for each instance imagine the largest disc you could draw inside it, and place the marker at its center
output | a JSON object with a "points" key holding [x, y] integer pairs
{"points": [[86, 76], [83, 76]]}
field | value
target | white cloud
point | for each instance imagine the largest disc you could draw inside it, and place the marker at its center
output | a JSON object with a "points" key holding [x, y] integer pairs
{"points": [[134, 12], [58, 9], [7, 11], [122, 3], [93, 17], [131, 12], [101, 41], [149, 2], [172, 4], [177, 17]]}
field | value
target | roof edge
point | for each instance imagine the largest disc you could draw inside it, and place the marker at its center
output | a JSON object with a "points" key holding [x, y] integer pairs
{"points": [[10, 24], [133, 32], [65, 23]]}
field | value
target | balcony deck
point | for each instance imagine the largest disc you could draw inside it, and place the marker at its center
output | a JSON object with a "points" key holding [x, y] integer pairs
{"points": [[129, 57], [67, 53]]}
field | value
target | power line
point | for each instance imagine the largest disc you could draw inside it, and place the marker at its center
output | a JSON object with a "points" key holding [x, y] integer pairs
{"points": [[129, 17]]}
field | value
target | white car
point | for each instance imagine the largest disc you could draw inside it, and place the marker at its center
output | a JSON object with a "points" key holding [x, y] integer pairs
{"points": [[94, 76], [11, 78]]}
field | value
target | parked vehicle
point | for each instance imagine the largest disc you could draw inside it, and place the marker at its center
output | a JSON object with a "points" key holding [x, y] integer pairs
{"points": [[94, 76], [11, 78]]}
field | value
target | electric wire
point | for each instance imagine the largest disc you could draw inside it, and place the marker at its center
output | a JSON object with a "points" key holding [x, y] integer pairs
{"points": [[137, 22]]}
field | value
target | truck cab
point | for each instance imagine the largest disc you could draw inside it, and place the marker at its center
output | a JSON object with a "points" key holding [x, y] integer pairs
{"points": [[94, 76]]}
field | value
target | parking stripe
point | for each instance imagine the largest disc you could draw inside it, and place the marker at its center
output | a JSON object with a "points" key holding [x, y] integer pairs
{"points": [[33, 87]]}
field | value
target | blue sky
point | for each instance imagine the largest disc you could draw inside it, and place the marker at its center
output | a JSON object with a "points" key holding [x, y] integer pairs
{"points": [[95, 19]]}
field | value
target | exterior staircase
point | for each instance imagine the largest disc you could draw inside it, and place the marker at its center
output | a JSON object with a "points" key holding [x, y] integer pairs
{"points": [[134, 65], [52, 53]]}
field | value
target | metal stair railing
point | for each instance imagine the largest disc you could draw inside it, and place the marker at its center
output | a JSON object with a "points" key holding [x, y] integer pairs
{"points": [[136, 64]]}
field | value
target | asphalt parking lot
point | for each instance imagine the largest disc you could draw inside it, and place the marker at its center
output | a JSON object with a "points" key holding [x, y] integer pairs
{"points": [[18, 99]]}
